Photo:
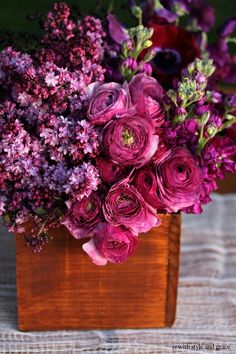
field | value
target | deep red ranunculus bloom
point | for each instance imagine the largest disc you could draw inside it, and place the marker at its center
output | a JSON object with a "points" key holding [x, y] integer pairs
{"points": [[176, 48]]}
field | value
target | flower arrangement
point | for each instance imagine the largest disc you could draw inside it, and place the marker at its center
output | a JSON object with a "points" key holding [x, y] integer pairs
{"points": [[103, 127]]}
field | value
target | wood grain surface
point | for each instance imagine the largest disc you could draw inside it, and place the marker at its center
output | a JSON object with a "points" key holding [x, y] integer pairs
{"points": [[61, 288]]}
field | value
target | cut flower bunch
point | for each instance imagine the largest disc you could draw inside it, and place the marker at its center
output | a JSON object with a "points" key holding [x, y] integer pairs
{"points": [[104, 127]]}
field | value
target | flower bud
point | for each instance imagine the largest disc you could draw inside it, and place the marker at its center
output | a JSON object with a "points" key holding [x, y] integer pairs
{"points": [[147, 44], [205, 117], [191, 68], [128, 44], [150, 55], [136, 11], [201, 81], [172, 95], [214, 97], [180, 115], [212, 129], [147, 69], [230, 116]]}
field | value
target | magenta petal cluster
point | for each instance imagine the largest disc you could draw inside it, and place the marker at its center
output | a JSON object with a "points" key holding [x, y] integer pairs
{"points": [[107, 100], [130, 140], [147, 96], [84, 216], [179, 180], [124, 205], [110, 243]]}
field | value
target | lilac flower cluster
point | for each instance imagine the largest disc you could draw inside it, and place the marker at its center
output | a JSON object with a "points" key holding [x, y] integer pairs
{"points": [[47, 146]]}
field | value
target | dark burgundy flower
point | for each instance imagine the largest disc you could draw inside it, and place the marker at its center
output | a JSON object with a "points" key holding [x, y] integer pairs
{"points": [[176, 48]]}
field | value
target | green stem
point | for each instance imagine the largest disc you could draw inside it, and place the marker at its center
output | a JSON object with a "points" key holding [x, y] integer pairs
{"points": [[231, 40], [190, 103], [140, 20], [206, 141], [202, 142], [137, 51], [56, 210], [43, 225], [201, 138], [111, 6], [227, 124]]}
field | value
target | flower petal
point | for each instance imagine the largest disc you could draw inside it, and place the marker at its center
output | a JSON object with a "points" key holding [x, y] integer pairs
{"points": [[90, 248]]}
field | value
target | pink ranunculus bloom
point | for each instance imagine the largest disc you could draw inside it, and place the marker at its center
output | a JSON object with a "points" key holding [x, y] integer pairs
{"points": [[130, 140], [146, 183], [106, 101], [83, 216], [179, 179], [109, 171], [147, 95], [110, 243], [124, 205]]}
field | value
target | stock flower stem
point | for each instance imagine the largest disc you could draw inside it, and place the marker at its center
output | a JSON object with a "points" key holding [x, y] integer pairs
{"points": [[44, 223], [227, 124], [111, 6]]}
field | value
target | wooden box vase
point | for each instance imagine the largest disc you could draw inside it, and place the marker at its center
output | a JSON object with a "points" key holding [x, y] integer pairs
{"points": [[60, 288]]}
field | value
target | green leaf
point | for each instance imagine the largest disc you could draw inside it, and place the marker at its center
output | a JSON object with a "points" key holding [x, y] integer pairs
{"points": [[40, 211], [6, 218]]}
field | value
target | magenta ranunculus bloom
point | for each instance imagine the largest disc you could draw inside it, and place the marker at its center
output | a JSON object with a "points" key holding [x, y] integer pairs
{"points": [[130, 140], [179, 179], [109, 171], [83, 216], [146, 183], [147, 95], [107, 100], [110, 243], [124, 205]]}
